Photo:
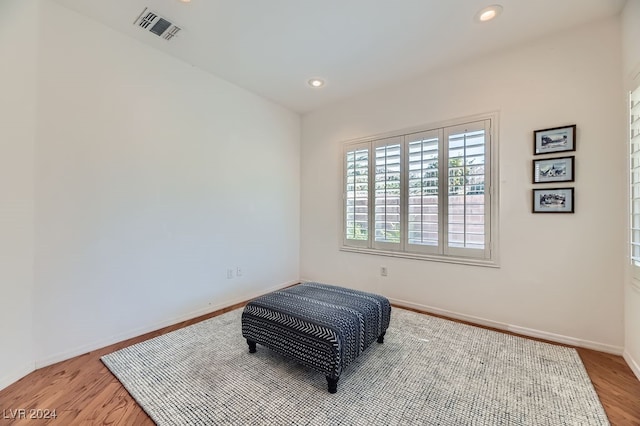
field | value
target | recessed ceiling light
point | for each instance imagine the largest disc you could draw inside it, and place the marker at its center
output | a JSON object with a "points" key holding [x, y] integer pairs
{"points": [[185, 1], [489, 13], [316, 82]]}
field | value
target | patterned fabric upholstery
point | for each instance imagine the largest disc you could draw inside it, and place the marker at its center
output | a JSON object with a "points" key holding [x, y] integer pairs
{"points": [[321, 326]]}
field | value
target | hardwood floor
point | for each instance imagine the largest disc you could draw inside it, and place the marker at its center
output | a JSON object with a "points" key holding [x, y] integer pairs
{"points": [[82, 391]]}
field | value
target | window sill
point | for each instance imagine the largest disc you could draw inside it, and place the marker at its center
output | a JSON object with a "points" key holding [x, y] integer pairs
{"points": [[432, 258]]}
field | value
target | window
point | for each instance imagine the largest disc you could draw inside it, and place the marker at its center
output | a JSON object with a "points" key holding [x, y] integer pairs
{"points": [[423, 194], [386, 198], [634, 175], [357, 195]]}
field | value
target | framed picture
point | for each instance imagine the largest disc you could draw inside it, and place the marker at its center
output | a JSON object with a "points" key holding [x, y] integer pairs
{"points": [[553, 170], [557, 139], [553, 200]]}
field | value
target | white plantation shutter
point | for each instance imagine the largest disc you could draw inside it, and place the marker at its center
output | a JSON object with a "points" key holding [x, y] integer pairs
{"points": [[388, 158], [423, 205], [634, 139], [422, 194], [356, 198], [467, 202]]}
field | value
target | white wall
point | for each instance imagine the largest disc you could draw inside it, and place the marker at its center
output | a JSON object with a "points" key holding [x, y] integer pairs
{"points": [[18, 36], [631, 76], [630, 35], [561, 276], [152, 179]]}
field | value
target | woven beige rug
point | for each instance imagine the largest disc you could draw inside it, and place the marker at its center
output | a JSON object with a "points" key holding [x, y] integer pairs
{"points": [[429, 371]]}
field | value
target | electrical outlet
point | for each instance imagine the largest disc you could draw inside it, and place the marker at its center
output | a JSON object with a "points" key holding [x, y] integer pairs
{"points": [[238, 271], [383, 271], [229, 273]]}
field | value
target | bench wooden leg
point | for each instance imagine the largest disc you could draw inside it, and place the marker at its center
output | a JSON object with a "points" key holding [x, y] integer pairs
{"points": [[332, 384], [381, 338], [252, 346]]}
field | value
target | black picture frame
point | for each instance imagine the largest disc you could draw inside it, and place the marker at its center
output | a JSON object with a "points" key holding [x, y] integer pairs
{"points": [[556, 169], [555, 139], [553, 200]]}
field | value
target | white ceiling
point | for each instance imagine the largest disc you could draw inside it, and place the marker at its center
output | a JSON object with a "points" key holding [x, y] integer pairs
{"points": [[273, 47]]}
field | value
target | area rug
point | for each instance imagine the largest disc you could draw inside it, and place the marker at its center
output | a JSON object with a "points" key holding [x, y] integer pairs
{"points": [[429, 371]]}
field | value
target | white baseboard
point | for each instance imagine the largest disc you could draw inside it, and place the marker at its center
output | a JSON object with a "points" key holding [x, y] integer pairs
{"points": [[633, 364], [558, 338], [62, 356], [16, 374], [98, 344]]}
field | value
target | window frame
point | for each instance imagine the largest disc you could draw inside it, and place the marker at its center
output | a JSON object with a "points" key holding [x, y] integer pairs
{"points": [[489, 256], [634, 184]]}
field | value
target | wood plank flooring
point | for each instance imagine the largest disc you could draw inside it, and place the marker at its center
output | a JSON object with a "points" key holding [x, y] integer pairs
{"points": [[82, 391]]}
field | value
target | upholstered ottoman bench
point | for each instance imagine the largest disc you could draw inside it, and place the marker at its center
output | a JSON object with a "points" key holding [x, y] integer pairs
{"points": [[321, 326]]}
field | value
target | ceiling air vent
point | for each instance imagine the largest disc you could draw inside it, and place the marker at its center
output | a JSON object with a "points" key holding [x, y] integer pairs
{"points": [[162, 27]]}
